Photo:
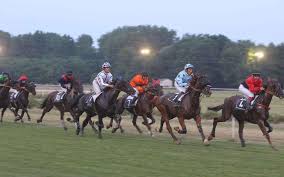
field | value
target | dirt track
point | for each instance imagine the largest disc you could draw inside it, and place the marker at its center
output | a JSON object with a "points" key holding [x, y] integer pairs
{"points": [[224, 130]]}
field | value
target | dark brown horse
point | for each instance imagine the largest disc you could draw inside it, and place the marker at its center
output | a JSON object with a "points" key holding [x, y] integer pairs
{"points": [[258, 115], [22, 101], [190, 106], [64, 106], [144, 107], [103, 106], [4, 97]]}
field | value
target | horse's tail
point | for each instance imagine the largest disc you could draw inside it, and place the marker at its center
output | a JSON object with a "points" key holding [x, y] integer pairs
{"points": [[216, 108], [76, 101], [43, 104]]}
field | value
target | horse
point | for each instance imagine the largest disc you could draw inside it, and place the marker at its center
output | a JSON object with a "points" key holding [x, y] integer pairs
{"points": [[258, 115], [189, 108], [102, 106], [144, 107], [22, 100], [64, 105], [4, 97]]}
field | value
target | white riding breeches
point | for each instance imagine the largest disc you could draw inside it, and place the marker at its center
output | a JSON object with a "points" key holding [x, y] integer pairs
{"points": [[245, 91], [97, 90]]}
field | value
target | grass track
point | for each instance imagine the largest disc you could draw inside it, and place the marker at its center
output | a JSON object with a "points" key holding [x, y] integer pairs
{"points": [[29, 150]]}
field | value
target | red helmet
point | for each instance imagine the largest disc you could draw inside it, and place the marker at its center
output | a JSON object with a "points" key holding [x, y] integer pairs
{"points": [[23, 78]]}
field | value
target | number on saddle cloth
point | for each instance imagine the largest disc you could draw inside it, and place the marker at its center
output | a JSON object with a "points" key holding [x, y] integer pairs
{"points": [[242, 104], [130, 102], [59, 96], [177, 97]]}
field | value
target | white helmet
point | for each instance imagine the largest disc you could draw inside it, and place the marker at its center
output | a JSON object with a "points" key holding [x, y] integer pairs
{"points": [[188, 66], [106, 65]]}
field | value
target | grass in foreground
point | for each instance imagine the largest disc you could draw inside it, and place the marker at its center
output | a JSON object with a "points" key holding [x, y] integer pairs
{"points": [[41, 151]]}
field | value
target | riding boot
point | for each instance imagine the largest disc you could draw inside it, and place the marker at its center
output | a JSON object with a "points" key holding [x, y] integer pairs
{"points": [[249, 106]]}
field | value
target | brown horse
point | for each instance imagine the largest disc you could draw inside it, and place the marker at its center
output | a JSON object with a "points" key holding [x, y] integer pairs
{"points": [[258, 115], [190, 106], [4, 96], [22, 101], [64, 106], [144, 107]]}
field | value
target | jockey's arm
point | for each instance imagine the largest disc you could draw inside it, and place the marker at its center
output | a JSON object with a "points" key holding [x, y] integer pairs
{"points": [[102, 83]]}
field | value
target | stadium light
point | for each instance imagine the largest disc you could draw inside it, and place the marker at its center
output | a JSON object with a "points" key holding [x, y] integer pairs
{"points": [[259, 54], [145, 51]]}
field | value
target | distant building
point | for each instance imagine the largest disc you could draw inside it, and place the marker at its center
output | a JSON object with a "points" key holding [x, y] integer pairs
{"points": [[166, 82]]}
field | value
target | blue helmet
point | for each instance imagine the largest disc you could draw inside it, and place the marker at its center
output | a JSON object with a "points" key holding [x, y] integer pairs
{"points": [[188, 66]]}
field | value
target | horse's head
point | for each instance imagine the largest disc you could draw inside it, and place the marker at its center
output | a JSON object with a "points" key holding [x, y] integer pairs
{"points": [[201, 82], [77, 87], [273, 87], [123, 85], [155, 89], [31, 87]]}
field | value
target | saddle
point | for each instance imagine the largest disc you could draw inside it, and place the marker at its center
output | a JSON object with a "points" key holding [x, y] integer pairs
{"points": [[131, 102], [60, 96], [243, 104], [92, 99]]}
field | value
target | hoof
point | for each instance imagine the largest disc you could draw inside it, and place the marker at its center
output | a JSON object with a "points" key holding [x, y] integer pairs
{"points": [[100, 136], [65, 128], [38, 121], [108, 126], [68, 119], [176, 129], [29, 120], [177, 142], [206, 142], [77, 131]]}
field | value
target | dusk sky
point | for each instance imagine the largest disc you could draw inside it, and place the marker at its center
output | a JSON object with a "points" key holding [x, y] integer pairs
{"points": [[261, 21]]}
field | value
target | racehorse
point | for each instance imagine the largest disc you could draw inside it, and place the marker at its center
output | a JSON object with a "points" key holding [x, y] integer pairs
{"points": [[22, 100], [258, 115], [189, 108], [63, 106], [102, 106], [144, 107], [4, 97]]}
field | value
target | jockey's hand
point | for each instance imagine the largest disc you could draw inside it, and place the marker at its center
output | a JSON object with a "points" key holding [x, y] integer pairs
{"points": [[111, 86], [262, 88]]}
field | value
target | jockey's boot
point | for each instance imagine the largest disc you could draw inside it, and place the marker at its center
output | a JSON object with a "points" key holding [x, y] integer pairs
{"points": [[249, 105]]}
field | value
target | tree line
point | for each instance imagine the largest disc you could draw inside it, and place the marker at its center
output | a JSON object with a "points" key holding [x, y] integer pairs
{"points": [[44, 56]]}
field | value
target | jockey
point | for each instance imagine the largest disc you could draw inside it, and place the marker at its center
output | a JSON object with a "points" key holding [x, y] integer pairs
{"points": [[251, 86], [4, 77], [21, 82], [102, 80], [138, 82], [66, 83], [182, 81]]}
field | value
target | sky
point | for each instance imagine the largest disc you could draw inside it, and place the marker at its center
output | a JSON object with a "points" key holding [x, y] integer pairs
{"points": [[261, 21]]}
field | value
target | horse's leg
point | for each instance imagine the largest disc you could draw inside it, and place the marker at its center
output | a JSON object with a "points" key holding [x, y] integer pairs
{"points": [[110, 123], [199, 126], [263, 129], [2, 114], [223, 118], [85, 123], [22, 115], [161, 125], [267, 124], [27, 112], [62, 120], [45, 110], [100, 125], [147, 124], [93, 126], [152, 118], [165, 119], [182, 124], [134, 122], [241, 130]]}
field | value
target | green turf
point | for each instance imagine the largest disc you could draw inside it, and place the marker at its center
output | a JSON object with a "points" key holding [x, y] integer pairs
{"points": [[31, 151]]}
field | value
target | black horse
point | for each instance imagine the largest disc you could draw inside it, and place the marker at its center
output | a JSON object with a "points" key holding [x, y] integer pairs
{"points": [[22, 100], [103, 106], [4, 96]]}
